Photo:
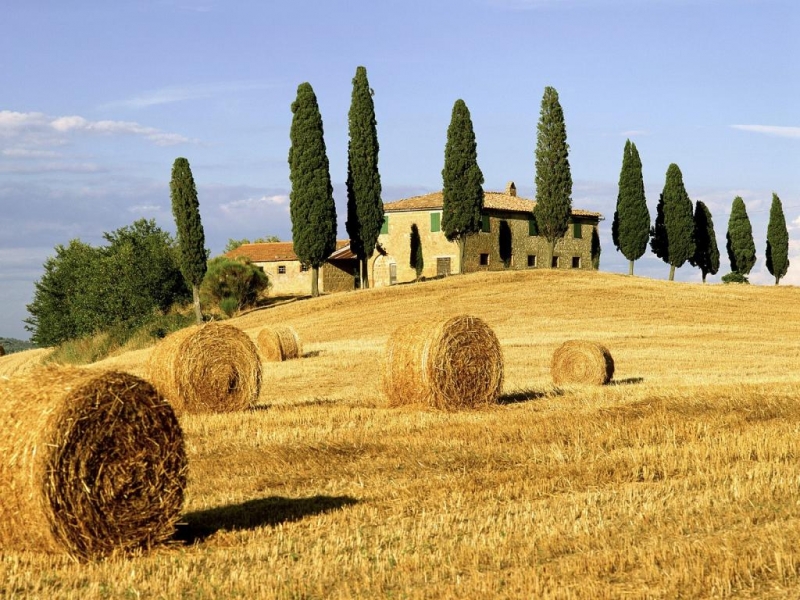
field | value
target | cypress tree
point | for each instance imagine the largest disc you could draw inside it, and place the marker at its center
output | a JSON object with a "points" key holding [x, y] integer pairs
{"points": [[311, 205], [416, 260], [740, 244], [553, 176], [777, 241], [672, 235], [706, 253], [191, 238], [631, 227], [364, 205], [463, 181]]}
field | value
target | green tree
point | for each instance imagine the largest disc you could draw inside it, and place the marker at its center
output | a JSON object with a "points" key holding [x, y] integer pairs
{"points": [[631, 227], [463, 181], [364, 205], [416, 260], [672, 235], [706, 253], [777, 241], [553, 176], [191, 238], [311, 205], [237, 281], [740, 244], [234, 244]]}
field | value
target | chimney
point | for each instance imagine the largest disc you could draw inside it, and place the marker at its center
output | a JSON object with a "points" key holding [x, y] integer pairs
{"points": [[511, 189]]}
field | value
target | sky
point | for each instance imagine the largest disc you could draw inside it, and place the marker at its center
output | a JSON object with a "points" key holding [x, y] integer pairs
{"points": [[99, 98]]}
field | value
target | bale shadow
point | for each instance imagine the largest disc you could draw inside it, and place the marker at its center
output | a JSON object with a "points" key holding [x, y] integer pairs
{"points": [[312, 354], [274, 510], [628, 381], [527, 395]]}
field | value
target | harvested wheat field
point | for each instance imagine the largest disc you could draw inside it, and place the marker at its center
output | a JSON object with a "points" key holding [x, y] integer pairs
{"points": [[679, 479]]}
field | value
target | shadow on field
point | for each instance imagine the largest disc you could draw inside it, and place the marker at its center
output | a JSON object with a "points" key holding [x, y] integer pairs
{"points": [[199, 525], [628, 381], [527, 395]]}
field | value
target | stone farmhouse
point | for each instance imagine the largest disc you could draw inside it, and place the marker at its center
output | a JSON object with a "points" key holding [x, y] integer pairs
{"points": [[508, 240]]}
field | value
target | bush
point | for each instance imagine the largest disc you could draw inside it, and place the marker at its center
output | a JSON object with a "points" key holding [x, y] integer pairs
{"points": [[236, 283], [734, 277]]}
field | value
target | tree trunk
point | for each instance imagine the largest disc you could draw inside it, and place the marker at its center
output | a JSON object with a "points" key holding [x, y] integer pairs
{"points": [[551, 244], [363, 265], [672, 272], [777, 279], [198, 313], [462, 245], [314, 282], [630, 267], [704, 276]]}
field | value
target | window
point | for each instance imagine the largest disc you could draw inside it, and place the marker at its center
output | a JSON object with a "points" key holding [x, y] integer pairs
{"points": [[281, 269], [531, 260], [483, 259], [576, 262], [385, 226], [486, 226], [442, 266], [554, 262], [436, 219], [533, 227], [303, 267], [576, 231]]}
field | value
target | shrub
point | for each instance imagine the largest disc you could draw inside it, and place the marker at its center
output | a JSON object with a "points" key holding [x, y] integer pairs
{"points": [[233, 280], [734, 277]]}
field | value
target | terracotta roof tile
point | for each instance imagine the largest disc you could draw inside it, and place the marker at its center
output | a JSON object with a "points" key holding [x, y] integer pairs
{"points": [[272, 251], [491, 201]]}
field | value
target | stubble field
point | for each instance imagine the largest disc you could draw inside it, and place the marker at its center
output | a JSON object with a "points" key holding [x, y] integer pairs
{"points": [[679, 480]]}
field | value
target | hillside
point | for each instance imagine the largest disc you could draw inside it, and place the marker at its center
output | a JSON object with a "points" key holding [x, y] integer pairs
{"points": [[678, 480]]}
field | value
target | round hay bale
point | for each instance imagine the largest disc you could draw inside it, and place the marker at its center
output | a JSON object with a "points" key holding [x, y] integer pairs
{"points": [[206, 368], [91, 463], [583, 362], [448, 364], [277, 344]]}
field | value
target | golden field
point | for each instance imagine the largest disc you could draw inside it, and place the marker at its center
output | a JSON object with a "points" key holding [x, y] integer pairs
{"points": [[678, 480]]}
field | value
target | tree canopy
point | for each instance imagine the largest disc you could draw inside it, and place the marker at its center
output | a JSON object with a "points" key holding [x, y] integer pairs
{"points": [[631, 226], [706, 253], [740, 245], [777, 241], [672, 235]]}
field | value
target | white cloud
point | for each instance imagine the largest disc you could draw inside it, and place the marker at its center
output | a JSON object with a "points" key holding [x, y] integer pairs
{"points": [[254, 204], [28, 153], [773, 130], [182, 93]]}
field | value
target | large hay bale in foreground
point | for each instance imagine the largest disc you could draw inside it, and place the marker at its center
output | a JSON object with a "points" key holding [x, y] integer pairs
{"points": [[277, 344], [449, 364], [91, 463], [207, 368], [582, 362]]}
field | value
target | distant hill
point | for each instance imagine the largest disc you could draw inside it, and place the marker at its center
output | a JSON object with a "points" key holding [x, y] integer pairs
{"points": [[12, 345]]}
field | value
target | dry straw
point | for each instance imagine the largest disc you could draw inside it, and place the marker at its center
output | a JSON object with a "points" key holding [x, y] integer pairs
{"points": [[207, 368], [277, 344], [91, 463], [449, 364], [578, 361]]}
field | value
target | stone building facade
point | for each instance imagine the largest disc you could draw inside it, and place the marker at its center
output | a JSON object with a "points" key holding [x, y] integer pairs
{"points": [[509, 239]]}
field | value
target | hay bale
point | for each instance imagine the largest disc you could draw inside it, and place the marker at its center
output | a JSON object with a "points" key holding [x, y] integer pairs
{"points": [[449, 364], [91, 463], [206, 368], [578, 361], [277, 344]]}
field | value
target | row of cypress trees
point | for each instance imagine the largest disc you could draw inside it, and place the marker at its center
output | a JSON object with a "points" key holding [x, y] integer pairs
{"points": [[681, 234]]}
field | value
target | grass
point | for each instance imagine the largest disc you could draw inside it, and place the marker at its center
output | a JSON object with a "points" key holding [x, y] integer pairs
{"points": [[679, 480]]}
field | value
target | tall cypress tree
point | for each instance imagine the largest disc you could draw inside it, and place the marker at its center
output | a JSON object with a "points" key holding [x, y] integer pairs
{"points": [[777, 241], [416, 260], [631, 227], [706, 252], [191, 238], [463, 181], [364, 205], [740, 244], [553, 176], [311, 205], [672, 235]]}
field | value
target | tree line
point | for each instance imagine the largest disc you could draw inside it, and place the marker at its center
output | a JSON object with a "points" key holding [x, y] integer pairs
{"points": [[682, 232]]}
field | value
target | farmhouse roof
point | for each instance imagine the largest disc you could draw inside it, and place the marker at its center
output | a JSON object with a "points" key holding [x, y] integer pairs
{"points": [[491, 201], [275, 251]]}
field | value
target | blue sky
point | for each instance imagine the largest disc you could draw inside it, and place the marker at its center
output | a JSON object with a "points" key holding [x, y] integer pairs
{"points": [[99, 98]]}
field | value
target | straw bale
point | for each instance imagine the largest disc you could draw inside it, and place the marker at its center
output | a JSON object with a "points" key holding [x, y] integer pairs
{"points": [[277, 344], [91, 463], [17, 363], [207, 368], [448, 364], [579, 361]]}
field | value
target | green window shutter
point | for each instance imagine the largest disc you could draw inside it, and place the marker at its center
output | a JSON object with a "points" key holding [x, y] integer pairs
{"points": [[485, 224], [576, 231], [533, 228], [385, 226], [436, 221]]}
